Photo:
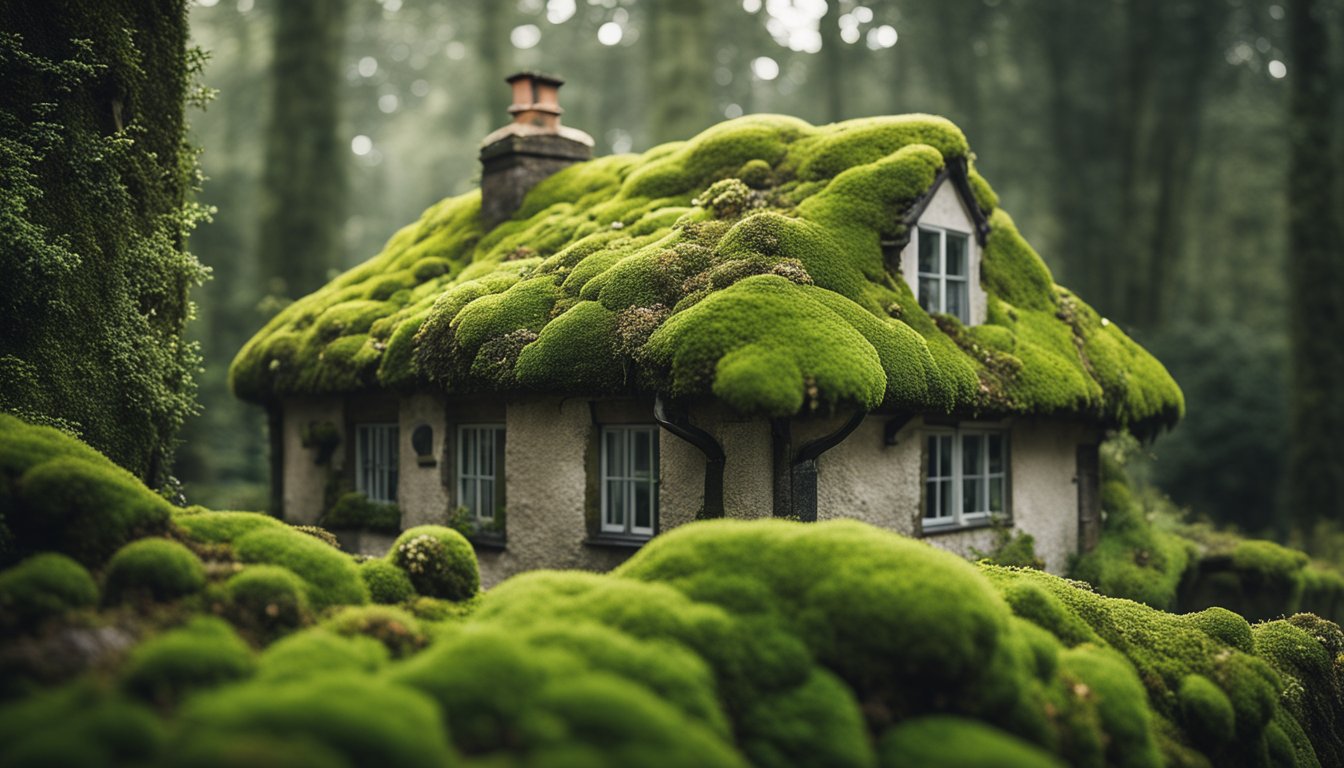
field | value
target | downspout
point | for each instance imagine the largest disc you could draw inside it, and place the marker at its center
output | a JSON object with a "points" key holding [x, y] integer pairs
{"points": [[680, 425], [275, 428], [803, 471]]}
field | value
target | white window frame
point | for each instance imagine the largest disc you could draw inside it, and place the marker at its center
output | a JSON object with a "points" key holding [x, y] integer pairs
{"points": [[941, 275], [377, 465], [628, 479], [959, 474], [471, 475]]}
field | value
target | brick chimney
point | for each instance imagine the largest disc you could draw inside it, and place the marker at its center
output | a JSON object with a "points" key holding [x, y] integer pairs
{"points": [[535, 145]]}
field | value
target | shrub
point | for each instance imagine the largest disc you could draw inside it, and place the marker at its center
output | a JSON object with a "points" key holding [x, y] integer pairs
{"points": [[44, 586], [268, 597], [439, 561], [203, 653], [157, 569], [83, 509], [332, 576], [355, 510], [387, 583], [366, 721]]}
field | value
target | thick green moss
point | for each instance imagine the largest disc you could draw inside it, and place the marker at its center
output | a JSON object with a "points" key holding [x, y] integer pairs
{"points": [[366, 722], [950, 742], [396, 629], [355, 510], [62, 496], [44, 586], [224, 527], [318, 651], [331, 575], [746, 263], [78, 725], [155, 569], [387, 583], [204, 653], [268, 598], [440, 562]]}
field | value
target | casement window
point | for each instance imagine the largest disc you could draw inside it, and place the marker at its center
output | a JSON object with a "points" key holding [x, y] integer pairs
{"points": [[966, 478], [944, 267], [629, 480], [480, 470], [376, 461]]}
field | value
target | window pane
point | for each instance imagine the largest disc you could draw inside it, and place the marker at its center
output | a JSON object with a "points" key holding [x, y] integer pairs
{"points": [[945, 452], [931, 499], [615, 504], [996, 453], [643, 452], [469, 499], [614, 454], [930, 298], [957, 303], [933, 455], [643, 506], [486, 510], [928, 251], [956, 254], [996, 495], [945, 498], [971, 499], [971, 460]]}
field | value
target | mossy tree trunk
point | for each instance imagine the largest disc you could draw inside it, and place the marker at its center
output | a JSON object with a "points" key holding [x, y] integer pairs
{"points": [[303, 201], [1316, 273], [93, 220], [680, 68]]}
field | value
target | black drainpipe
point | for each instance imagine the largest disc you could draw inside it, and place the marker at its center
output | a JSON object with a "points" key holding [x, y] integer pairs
{"points": [[679, 424], [803, 471]]}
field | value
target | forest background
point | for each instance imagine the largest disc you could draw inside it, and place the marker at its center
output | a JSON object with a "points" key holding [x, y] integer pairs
{"points": [[1174, 161]]}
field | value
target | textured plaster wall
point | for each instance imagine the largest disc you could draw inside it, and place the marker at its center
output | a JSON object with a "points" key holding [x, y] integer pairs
{"points": [[947, 211], [863, 479], [304, 481], [421, 492]]}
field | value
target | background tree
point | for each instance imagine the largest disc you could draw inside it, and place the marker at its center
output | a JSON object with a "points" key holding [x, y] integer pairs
{"points": [[1316, 272], [93, 220], [303, 202]]}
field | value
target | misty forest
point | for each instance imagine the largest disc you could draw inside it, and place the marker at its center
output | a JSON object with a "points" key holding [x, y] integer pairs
{"points": [[672, 382]]}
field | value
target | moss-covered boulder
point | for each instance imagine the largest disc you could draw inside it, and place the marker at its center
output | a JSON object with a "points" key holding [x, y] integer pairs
{"points": [[204, 653], [268, 598], [153, 569], [44, 586], [331, 575], [387, 583]]}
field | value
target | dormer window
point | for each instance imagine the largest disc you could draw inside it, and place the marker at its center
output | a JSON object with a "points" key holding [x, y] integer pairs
{"points": [[944, 284], [941, 259]]}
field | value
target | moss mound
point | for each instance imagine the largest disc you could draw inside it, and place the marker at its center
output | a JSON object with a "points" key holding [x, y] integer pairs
{"points": [[949, 742], [64, 497], [387, 583], [154, 569], [332, 576], [44, 586], [355, 510], [745, 263], [204, 653], [223, 527], [367, 723], [440, 562], [268, 598], [319, 651]]}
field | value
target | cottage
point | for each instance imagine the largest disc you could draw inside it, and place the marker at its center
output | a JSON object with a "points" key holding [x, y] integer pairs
{"points": [[771, 318]]}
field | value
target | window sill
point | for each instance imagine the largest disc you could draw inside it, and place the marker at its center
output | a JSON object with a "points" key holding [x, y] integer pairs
{"points": [[617, 540], [938, 529], [491, 540]]}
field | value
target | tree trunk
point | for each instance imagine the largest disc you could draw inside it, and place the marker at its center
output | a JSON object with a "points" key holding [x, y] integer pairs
{"points": [[303, 201], [680, 69], [1316, 274]]}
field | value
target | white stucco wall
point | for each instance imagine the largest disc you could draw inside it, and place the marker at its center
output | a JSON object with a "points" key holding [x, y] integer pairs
{"points": [[304, 481], [865, 480], [421, 492], [946, 210]]}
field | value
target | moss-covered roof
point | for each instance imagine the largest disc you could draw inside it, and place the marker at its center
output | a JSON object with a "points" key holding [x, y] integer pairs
{"points": [[745, 263]]}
